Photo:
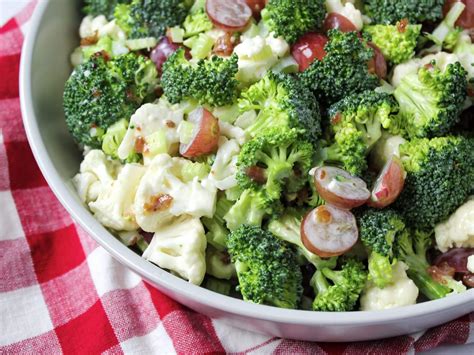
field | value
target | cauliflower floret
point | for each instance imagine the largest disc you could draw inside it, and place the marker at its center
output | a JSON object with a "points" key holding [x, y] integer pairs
{"points": [[180, 247], [457, 230], [402, 292], [404, 69], [257, 55], [96, 171], [100, 27], [114, 205], [470, 264], [464, 49], [218, 264], [225, 164], [164, 193], [348, 10], [157, 125], [232, 132]]}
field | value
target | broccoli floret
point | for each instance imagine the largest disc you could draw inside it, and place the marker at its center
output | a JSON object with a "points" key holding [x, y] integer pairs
{"points": [[348, 151], [268, 161], [150, 18], [266, 266], [197, 20], [290, 19], [396, 42], [338, 291], [440, 175], [211, 81], [251, 208], [411, 248], [282, 101], [287, 227], [101, 92], [102, 7], [357, 123], [378, 230], [344, 69], [415, 11], [430, 100], [216, 226], [113, 137]]}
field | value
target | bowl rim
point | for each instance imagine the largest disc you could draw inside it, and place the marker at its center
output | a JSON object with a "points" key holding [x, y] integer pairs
{"points": [[166, 280]]}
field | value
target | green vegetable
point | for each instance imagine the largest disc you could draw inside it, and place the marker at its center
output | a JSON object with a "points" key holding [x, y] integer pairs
{"points": [[430, 100], [102, 7], [439, 179], [415, 11], [100, 93], [196, 22], [396, 42], [357, 122], [292, 18], [251, 208], [378, 231], [343, 71], [266, 266], [103, 44], [287, 228], [216, 226], [113, 137], [150, 18], [447, 33], [277, 154], [209, 81], [282, 101], [411, 249], [338, 291], [223, 287]]}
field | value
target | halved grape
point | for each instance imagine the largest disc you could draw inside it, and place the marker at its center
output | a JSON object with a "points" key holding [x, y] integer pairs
{"points": [[329, 231]]}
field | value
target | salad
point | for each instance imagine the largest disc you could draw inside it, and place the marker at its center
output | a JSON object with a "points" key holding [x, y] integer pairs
{"points": [[314, 155]]}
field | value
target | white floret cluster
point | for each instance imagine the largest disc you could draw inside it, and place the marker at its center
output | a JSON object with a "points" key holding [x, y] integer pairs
{"points": [[159, 196]]}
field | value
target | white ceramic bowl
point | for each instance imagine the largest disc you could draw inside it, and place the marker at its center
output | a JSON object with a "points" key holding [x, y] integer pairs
{"points": [[44, 69]]}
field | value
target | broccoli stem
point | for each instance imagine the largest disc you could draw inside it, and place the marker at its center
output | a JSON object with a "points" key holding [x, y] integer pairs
{"points": [[380, 269], [319, 283], [444, 29]]}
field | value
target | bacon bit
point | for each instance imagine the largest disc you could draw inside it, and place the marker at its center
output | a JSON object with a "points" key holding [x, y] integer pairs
{"points": [[468, 280], [158, 203], [102, 54], [131, 96], [429, 66], [322, 215], [158, 92], [146, 235], [470, 91], [402, 25], [438, 273], [170, 124], [225, 258], [139, 144], [256, 174], [90, 40], [336, 118], [302, 195], [224, 45], [138, 128], [96, 93], [94, 125], [322, 174]]}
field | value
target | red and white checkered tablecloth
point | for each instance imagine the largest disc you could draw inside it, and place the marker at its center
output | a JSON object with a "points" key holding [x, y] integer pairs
{"points": [[61, 292]]}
